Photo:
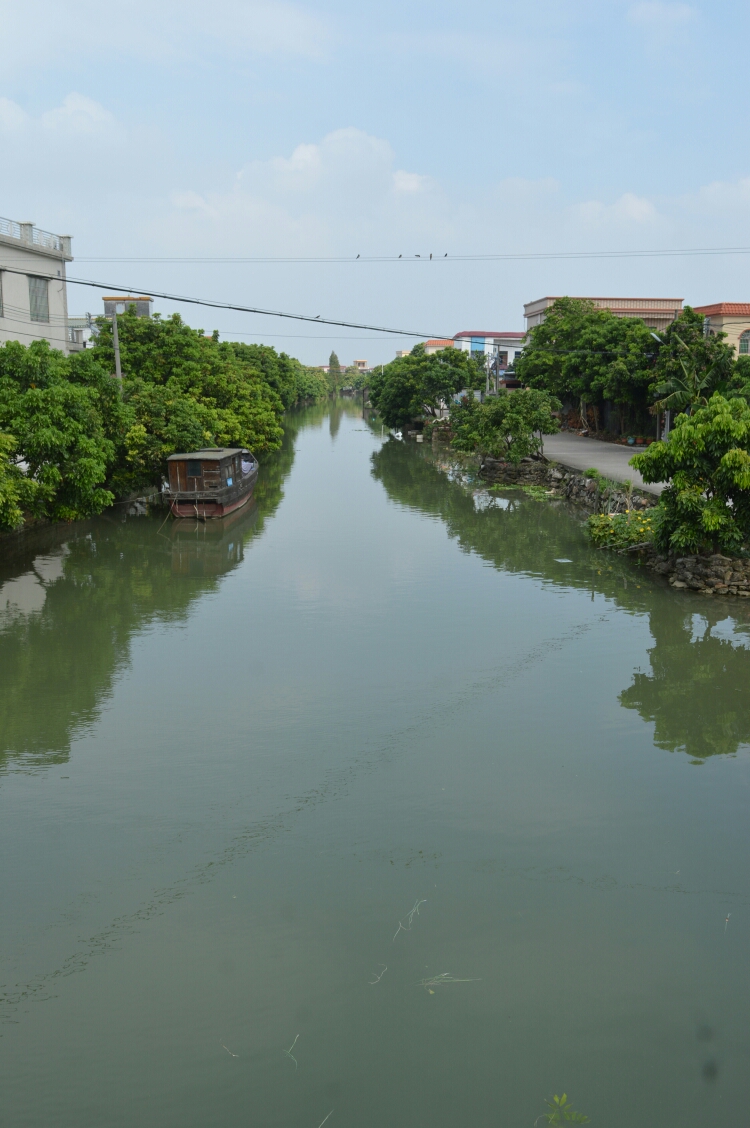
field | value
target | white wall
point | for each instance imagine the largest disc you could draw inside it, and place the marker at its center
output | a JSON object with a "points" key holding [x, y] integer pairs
{"points": [[15, 322]]}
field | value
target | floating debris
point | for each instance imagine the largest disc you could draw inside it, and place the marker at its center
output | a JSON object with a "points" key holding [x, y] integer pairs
{"points": [[289, 1053], [227, 1049], [438, 981], [325, 1118], [377, 978], [410, 917]]}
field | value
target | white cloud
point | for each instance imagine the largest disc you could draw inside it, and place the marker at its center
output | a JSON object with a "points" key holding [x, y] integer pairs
{"points": [[628, 210], [169, 29], [12, 117], [655, 14], [410, 181], [77, 114]]}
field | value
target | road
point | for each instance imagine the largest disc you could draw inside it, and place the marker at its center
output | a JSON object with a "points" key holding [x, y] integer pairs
{"points": [[609, 459]]}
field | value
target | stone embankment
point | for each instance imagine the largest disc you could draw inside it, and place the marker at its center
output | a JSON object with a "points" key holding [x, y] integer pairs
{"points": [[594, 493], [708, 575]]}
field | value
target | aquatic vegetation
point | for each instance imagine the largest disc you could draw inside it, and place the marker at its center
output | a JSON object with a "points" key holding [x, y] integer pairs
{"points": [[622, 530], [563, 1112]]}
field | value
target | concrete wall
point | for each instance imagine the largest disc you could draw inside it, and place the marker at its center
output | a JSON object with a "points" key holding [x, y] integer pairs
{"points": [[15, 322]]}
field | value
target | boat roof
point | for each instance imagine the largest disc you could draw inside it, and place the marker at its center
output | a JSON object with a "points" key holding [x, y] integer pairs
{"points": [[209, 454]]}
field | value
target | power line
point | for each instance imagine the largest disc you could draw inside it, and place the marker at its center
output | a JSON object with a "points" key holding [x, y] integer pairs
{"points": [[424, 257], [318, 320]]}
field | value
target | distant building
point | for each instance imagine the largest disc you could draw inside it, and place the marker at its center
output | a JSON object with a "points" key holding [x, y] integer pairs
{"points": [[437, 344], [501, 348], [657, 313], [120, 304], [360, 365], [732, 318], [80, 332], [33, 296], [402, 352]]}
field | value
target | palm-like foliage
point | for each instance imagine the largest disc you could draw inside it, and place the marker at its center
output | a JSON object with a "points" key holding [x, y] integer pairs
{"points": [[689, 388]]}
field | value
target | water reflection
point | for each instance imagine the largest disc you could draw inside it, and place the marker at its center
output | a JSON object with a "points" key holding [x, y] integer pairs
{"points": [[695, 694], [102, 581]]}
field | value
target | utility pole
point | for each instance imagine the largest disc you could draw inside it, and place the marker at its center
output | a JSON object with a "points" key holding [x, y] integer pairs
{"points": [[116, 342]]}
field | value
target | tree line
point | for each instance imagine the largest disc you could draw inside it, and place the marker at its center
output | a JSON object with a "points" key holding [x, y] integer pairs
{"points": [[73, 438]]}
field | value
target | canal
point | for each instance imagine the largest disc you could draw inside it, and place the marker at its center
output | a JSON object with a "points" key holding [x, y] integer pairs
{"points": [[387, 803]]}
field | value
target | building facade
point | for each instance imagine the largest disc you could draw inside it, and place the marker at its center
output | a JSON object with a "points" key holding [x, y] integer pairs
{"points": [[732, 318], [437, 344], [501, 348], [33, 296], [657, 313]]}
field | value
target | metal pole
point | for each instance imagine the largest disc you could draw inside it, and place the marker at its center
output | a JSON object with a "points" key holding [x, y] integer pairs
{"points": [[116, 342]]}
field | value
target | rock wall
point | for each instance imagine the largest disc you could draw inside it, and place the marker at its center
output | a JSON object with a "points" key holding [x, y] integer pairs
{"points": [[598, 495]]}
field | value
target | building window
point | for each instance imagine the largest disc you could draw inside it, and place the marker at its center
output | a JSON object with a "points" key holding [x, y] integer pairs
{"points": [[193, 468], [38, 299], [745, 342]]}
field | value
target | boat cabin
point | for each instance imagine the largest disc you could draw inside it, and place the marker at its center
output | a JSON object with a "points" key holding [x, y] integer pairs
{"points": [[210, 482]]}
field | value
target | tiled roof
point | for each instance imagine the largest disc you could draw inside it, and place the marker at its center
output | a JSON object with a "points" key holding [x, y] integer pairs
{"points": [[727, 309], [445, 342], [486, 333]]}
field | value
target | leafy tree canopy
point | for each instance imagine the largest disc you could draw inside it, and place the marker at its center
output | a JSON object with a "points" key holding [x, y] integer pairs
{"points": [[416, 385], [707, 464], [580, 352], [507, 426], [53, 421]]}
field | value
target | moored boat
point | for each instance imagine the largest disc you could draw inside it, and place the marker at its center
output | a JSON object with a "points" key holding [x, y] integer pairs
{"points": [[210, 483]]}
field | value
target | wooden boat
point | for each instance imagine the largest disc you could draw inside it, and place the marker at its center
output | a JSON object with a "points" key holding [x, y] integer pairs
{"points": [[211, 482]]}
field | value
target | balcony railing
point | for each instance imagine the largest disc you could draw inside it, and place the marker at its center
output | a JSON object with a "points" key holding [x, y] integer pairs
{"points": [[34, 236]]}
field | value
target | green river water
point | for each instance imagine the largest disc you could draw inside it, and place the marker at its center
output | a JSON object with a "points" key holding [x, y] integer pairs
{"points": [[234, 758]]}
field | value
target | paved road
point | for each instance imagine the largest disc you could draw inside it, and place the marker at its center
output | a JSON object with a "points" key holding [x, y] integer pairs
{"points": [[609, 459]]}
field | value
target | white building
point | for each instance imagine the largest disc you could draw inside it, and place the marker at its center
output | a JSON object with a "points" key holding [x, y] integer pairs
{"points": [[33, 298], [500, 347]]}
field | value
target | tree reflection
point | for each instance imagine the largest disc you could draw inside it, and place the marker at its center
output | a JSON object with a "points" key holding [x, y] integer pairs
{"points": [[524, 536], [696, 693], [72, 599]]}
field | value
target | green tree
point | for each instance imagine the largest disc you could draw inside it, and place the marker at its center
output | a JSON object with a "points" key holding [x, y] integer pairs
{"points": [[690, 363], [584, 355], [508, 426], [58, 430], [278, 370], [416, 385], [706, 462], [184, 390], [334, 372]]}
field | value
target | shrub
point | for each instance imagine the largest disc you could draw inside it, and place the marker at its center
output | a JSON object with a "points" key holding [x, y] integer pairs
{"points": [[621, 530], [706, 462], [508, 426]]}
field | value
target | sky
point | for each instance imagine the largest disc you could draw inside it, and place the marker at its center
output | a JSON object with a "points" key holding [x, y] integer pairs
{"points": [[327, 130]]}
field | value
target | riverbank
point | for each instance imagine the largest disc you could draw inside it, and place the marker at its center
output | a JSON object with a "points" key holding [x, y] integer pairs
{"points": [[706, 574]]}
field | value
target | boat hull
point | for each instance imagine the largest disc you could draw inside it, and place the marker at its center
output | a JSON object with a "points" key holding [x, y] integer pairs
{"points": [[206, 510]]}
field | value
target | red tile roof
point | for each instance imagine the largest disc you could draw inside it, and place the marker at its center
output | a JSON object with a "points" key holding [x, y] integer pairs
{"points": [[727, 309], [444, 342]]}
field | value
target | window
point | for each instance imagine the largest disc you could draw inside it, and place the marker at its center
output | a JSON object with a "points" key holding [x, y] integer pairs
{"points": [[38, 299], [193, 468], [745, 342]]}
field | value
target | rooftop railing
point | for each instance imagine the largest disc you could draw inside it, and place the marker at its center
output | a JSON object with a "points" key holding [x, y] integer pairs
{"points": [[34, 236]]}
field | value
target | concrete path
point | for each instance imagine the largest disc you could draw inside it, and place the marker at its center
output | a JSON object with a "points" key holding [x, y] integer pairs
{"points": [[609, 459]]}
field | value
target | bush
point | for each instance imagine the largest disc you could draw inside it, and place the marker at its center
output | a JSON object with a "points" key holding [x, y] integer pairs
{"points": [[622, 530], [706, 462], [508, 426]]}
